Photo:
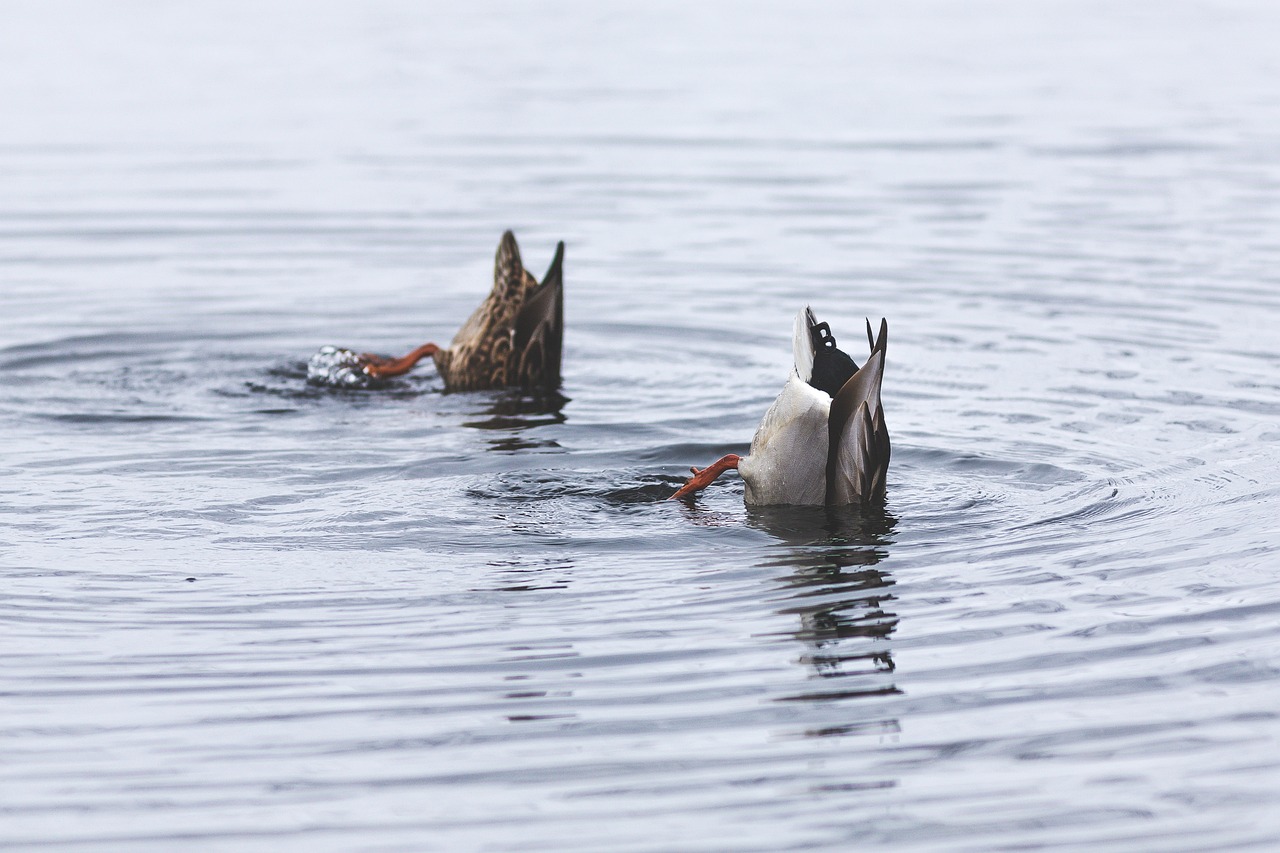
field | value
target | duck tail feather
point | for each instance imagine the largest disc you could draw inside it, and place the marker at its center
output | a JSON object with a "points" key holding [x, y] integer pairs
{"points": [[802, 344]]}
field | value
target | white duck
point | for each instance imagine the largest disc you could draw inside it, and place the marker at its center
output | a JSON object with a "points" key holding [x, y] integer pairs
{"points": [[824, 440]]}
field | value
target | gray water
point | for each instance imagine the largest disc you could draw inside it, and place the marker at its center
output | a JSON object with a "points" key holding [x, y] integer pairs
{"points": [[244, 613]]}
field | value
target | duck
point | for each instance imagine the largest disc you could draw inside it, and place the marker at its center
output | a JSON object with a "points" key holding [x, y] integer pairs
{"points": [[824, 439], [513, 339]]}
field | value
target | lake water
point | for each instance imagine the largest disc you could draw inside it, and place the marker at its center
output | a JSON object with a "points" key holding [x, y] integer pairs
{"points": [[244, 613]]}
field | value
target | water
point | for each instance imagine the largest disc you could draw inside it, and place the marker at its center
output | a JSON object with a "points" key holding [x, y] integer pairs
{"points": [[245, 613]]}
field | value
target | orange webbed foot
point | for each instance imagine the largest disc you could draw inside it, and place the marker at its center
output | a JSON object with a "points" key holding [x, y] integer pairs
{"points": [[380, 367], [703, 477]]}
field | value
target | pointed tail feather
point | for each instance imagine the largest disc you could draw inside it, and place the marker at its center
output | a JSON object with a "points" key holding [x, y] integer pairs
{"points": [[802, 344], [878, 343], [539, 330], [508, 269], [858, 449]]}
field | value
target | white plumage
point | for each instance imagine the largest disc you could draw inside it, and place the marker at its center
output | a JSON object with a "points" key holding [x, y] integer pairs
{"points": [[788, 459]]}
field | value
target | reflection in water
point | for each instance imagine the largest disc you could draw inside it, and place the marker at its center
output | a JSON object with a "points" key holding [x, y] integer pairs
{"points": [[512, 443], [543, 704], [521, 575], [514, 412], [839, 597]]}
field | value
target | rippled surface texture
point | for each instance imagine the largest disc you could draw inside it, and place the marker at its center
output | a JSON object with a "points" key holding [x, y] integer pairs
{"points": [[248, 613]]}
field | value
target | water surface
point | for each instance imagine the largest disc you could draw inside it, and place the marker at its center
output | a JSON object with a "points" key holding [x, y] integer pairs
{"points": [[247, 613]]}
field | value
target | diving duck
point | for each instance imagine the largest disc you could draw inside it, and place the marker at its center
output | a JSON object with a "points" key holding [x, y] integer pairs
{"points": [[824, 440], [513, 339]]}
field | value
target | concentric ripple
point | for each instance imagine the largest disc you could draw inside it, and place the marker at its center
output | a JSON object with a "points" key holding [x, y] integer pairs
{"points": [[247, 612]]}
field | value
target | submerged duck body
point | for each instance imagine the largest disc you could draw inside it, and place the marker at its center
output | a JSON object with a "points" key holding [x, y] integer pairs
{"points": [[513, 339], [824, 439]]}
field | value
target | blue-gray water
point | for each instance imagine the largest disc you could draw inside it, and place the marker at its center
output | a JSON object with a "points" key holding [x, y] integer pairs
{"points": [[247, 614]]}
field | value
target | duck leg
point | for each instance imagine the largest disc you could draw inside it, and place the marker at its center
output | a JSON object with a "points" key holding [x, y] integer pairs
{"points": [[706, 476], [380, 367]]}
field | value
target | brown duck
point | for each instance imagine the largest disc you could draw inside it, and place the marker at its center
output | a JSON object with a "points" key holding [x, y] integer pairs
{"points": [[513, 339]]}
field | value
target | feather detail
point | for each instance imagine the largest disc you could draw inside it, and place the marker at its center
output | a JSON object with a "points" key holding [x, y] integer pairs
{"points": [[802, 344], [515, 337], [539, 331], [858, 457]]}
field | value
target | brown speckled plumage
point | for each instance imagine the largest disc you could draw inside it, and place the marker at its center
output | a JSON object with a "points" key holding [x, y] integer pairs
{"points": [[514, 337]]}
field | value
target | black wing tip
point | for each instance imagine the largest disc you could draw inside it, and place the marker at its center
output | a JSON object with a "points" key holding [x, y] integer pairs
{"points": [[555, 272], [539, 329], [880, 341]]}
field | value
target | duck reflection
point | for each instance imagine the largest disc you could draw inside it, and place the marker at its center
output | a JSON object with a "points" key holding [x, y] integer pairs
{"points": [[529, 695], [513, 413], [842, 600]]}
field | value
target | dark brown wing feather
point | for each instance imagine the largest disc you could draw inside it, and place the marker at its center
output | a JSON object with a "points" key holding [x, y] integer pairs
{"points": [[539, 332], [858, 445]]}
